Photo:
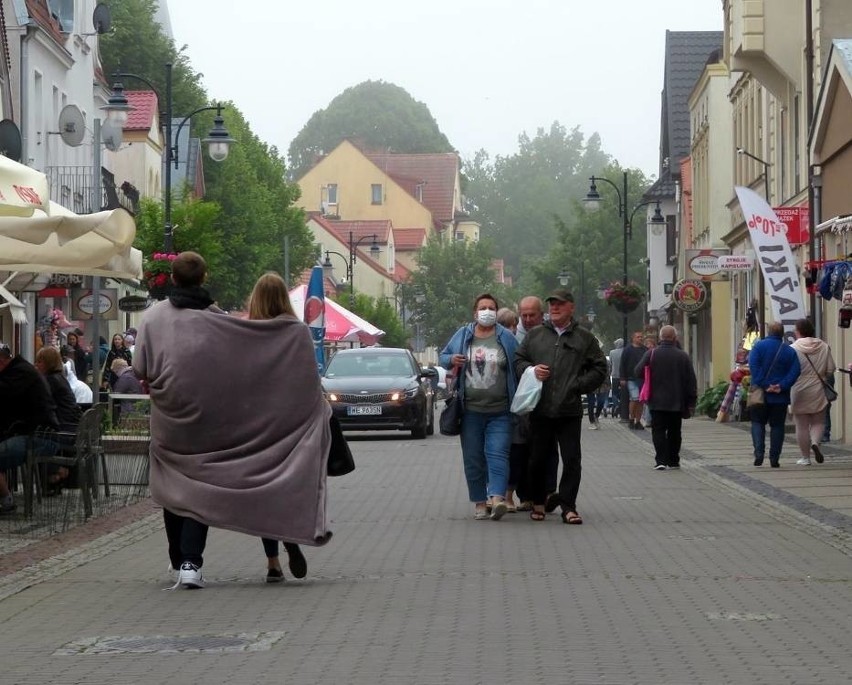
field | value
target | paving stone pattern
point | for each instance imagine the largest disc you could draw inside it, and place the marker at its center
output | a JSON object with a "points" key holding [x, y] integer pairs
{"points": [[686, 576]]}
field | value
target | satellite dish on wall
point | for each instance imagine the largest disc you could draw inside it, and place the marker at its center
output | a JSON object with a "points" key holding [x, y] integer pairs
{"points": [[10, 140], [72, 127], [112, 135], [102, 18]]}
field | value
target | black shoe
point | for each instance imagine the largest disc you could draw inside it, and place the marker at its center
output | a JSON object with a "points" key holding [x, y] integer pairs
{"points": [[758, 462], [274, 575], [774, 464], [817, 454], [674, 466], [298, 563]]}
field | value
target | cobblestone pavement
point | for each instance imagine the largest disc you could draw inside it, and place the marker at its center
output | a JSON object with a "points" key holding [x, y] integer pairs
{"points": [[718, 573]]}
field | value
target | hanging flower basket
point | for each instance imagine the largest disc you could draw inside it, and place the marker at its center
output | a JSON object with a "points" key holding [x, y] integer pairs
{"points": [[158, 274], [625, 298]]}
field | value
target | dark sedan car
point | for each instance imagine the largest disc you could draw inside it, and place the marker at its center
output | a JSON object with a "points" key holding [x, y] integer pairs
{"points": [[380, 388]]}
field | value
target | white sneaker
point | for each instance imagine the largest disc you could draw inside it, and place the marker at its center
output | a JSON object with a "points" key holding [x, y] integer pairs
{"points": [[804, 461], [660, 467], [594, 427], [190, 576]]}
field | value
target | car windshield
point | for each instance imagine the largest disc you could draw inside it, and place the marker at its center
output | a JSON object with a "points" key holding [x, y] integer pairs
{"points": [[348, 365]]}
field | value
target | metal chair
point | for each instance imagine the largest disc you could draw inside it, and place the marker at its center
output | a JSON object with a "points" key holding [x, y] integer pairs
{"points": [[78, 449]]}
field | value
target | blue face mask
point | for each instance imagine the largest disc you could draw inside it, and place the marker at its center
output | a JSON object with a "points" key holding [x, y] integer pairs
{"points": [[486, 317]]}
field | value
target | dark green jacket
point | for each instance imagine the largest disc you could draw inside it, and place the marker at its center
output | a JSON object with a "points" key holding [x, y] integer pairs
{"points": [[577, 366]]}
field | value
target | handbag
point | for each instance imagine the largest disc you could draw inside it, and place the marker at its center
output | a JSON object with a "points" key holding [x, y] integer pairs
{"points": [[340, 461], [449, 423], [756, 395], [645, 392], [830, 393], [527, 394]]}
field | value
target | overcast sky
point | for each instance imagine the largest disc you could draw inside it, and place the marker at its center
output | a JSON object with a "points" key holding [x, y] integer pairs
{"points": [[487, 69]]}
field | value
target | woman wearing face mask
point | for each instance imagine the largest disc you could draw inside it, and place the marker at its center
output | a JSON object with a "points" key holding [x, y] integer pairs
{"points": [[482, 354]]}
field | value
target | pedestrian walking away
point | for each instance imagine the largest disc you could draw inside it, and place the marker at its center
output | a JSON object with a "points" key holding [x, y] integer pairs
{"points": [[774, 367], [808, 399], [673, 395], [570, 363], [615, 369], [629, 382], [236, 446], [482, 353]]}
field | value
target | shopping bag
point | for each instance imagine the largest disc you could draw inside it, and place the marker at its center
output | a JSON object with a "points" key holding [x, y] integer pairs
{"points": [[527, 394], [756, 397], [449, 422], [645, 392], [340, 461]]}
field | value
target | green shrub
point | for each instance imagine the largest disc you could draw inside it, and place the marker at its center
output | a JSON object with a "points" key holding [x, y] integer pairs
{"points": [[711, 399]]}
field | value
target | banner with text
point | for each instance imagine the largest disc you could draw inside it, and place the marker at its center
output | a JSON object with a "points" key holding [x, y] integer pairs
{"points": [[768, 236]]}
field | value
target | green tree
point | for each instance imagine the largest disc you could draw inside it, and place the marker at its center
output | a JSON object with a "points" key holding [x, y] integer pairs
{"points": [[441, 292], [515, 197], [378, 115], [381, 314], [136, 44]]}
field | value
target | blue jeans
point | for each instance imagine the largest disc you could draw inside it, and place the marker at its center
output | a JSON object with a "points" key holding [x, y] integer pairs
{"points": [[13, 451], [485, 441], [775, 415]]}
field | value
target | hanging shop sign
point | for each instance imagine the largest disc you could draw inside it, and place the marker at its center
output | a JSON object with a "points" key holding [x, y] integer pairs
{"points": [[703, 265], [797, 223], [83, 304], [133, 303], [736, 262], [689, 295]]}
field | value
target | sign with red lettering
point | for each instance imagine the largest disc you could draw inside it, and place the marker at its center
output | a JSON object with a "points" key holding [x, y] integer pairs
{"points": [[797, 221]]}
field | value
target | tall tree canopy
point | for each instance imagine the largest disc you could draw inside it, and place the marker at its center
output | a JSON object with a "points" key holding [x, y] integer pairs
{"points": [[515, 197], [253, 200], [441, 293], [380, 115]]}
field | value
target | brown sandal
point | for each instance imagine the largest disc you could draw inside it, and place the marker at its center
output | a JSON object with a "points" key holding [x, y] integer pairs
{"points": [[537, 515], [572, 518]]}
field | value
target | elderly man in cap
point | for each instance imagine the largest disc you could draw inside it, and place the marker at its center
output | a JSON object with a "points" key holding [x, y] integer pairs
{"points": [[570, 363]]}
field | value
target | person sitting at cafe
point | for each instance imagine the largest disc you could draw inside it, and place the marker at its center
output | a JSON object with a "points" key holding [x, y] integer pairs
{"points": [[25, 405], [126, 383], [68, 412]]}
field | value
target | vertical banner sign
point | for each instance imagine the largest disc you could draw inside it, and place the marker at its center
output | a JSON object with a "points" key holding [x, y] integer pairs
{"points": [[768, 236], [315, 314]]}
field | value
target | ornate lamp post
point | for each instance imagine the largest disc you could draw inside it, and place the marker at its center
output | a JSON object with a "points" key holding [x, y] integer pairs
{"points": [[218, 139], [375, 251]]}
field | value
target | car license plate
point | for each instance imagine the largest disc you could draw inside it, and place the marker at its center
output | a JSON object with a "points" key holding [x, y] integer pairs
{"points": [[364, 410]]}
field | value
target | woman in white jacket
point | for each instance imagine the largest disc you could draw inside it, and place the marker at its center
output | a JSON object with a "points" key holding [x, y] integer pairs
{"points": [[807, 397]]}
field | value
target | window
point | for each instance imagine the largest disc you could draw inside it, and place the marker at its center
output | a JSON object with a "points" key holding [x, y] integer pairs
{"points": [[331, 193], [376, 193]]}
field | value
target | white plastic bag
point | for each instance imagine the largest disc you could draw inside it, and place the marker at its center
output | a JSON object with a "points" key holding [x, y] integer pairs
{"points": [[528, 393]]}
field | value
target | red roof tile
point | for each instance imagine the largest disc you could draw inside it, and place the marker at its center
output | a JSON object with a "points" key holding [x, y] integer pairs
{"points": [[144, 103], [304, 278], [401, 273], [40, 13], [409, 238], [362, 229], [437, 172]]}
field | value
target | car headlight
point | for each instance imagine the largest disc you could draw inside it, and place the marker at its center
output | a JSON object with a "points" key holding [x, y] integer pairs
{"points": [[332, 397], [398, 395]]}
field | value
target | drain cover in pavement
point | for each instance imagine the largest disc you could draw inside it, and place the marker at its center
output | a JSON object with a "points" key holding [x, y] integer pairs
{"points": [[171, 644]]}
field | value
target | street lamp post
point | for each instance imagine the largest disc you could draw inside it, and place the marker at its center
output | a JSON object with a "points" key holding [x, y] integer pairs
{"points": [[761, 295], [593, 201], [375, 250], [218, 140]]}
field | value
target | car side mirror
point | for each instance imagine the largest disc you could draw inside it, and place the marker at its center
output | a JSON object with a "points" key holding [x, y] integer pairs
{"points": [[429, 373]]}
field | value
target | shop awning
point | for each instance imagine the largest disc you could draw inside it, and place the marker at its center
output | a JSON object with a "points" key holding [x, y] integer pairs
{"points": [[86, 244], [839, 224], [22, 189]]}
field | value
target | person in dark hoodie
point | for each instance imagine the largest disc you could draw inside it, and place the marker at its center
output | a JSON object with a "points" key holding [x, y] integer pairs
{"points": [[25, 405]]}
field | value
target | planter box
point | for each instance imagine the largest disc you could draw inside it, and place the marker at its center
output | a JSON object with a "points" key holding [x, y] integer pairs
{"points": [[126, 458]]}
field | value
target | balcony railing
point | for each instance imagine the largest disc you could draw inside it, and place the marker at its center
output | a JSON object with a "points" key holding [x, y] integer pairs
{"points": [[71, 187]]}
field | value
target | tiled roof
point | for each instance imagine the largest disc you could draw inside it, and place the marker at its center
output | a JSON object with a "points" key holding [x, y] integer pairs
{"points": [[144, 103], [40, 13], [686, 56], [359, 230], [401, 273], [409, 238], [304, 278], [437, 172]]}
